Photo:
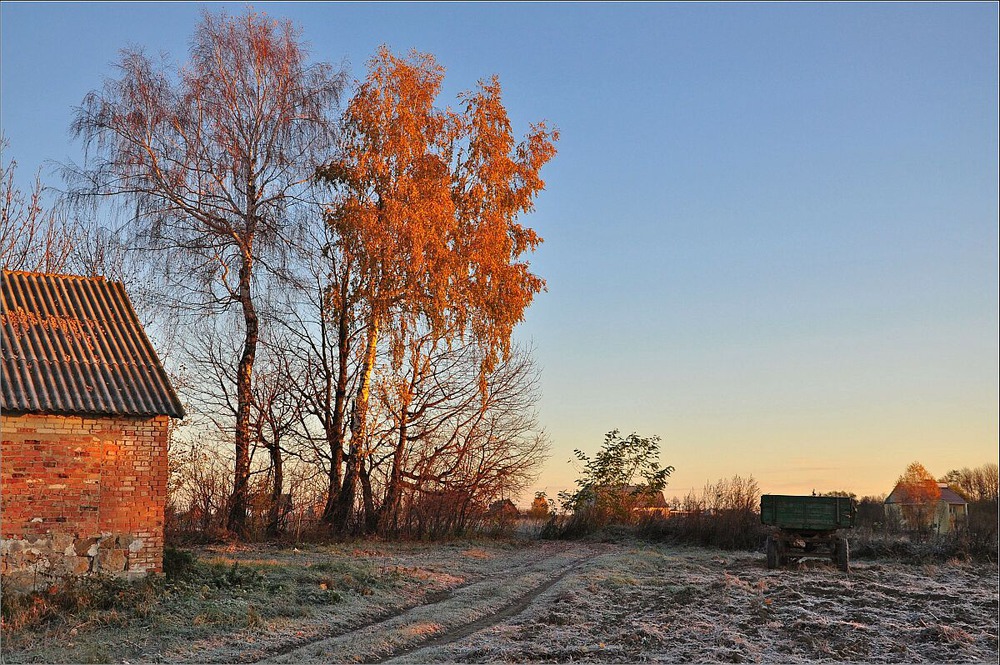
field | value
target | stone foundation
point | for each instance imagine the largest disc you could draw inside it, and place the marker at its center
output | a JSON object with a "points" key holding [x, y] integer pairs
{"points": [[28, 565]]}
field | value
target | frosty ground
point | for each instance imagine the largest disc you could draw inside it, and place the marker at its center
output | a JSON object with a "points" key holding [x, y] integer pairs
{"points": [[494, 601]]}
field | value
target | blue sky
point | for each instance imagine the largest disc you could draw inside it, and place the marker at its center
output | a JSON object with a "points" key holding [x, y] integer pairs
{"points": [[770, 231]]}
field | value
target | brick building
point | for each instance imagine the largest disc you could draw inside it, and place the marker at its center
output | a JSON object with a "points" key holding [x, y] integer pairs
{"points": [[85, 410]]}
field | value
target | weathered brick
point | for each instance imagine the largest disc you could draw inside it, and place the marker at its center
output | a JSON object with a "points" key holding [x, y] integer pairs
{"points": [[97, 480]]}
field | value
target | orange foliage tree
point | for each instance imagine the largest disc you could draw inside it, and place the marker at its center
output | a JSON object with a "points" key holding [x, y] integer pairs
{"points": [[426, 215], [540, 508], [210, 159], [918, 495]]}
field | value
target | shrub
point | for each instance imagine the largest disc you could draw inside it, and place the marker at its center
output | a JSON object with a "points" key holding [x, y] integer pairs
{"points": [[871, 512], [980, 534], [541, 507], [728, 530], [232, 577], [178, 564], [573, 527], [70, 596], [724, 515], [609, 489], [967, 544]]}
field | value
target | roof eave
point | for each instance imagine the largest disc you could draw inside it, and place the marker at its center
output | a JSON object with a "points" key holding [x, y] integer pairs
{"points": [[178, 415]]}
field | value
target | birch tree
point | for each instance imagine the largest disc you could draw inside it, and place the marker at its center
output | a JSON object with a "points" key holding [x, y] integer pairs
{"points": [[427, 209], [210, 159]]}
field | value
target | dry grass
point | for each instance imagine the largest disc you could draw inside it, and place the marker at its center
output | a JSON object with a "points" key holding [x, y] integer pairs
{"points": [[232, 593]]}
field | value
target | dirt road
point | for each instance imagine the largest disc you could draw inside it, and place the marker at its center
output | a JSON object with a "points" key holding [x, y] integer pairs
{"points": [[448, 617]]}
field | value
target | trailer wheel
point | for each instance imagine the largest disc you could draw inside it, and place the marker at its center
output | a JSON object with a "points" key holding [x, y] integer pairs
{"points": [[772, 553], [843, 555]]}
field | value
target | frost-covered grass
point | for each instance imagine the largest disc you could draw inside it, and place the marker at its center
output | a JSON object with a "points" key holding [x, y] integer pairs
{"points": [[493, 601], [241, 604], [689, 605]]}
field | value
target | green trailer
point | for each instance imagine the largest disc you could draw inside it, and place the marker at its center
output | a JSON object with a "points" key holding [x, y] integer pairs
{"points": [[807, 526]]}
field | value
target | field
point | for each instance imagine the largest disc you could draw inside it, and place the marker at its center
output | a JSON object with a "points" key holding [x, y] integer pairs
{"points": [[493, 601]]}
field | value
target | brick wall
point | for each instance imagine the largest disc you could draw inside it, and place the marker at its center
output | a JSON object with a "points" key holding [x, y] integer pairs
{"points": [[80, 496]]}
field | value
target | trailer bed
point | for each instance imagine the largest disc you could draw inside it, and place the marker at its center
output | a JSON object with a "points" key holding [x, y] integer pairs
{"points": [[807, 513]]}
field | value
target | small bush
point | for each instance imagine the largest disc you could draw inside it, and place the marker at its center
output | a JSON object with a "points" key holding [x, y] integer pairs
{"points": [[72, 596], [318, 596], [553, 528], [727, 530], [178, 564], [624, 475], [235, 576]]}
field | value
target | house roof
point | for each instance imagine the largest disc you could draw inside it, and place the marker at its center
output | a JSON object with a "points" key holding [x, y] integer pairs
{"points": [[948, 495], [646, 498], [74, 345]]}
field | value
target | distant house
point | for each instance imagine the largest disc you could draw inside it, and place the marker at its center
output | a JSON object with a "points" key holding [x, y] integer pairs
{"points": [[634, 499], [649, 503], [503, 510], [949, 513], [85, 409]]}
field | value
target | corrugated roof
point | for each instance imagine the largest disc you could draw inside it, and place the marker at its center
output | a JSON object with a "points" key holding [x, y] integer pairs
{"points": [[73, 345]]}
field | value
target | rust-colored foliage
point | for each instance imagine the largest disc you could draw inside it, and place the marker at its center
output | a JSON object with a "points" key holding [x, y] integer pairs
{"points": [[918, 495], [540, 507], [429, 201], [426, 214]]}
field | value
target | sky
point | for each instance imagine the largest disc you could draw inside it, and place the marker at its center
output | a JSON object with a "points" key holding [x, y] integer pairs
{"points": [[771, 230]]}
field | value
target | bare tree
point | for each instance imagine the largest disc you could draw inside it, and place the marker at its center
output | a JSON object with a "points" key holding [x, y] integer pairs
{"points": [[976, 485], [199, 488], [31, 237], [277, 412], [321, 331], [441, 438], [210, 160], [276, 403]]}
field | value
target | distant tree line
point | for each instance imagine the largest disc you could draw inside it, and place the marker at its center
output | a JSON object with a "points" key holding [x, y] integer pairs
{"points": [[616, 485], [333, 279]]}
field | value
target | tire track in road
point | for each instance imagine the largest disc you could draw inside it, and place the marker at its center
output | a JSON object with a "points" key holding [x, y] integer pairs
{"points": [[452, 615], [266, 654], [518, 605]]}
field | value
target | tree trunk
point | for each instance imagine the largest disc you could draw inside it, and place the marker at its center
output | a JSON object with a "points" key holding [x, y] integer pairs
{"points": [[368, 498], [237, 522], [334, 485], [335, 430], [359, 434], [390, 507], [277, 508]]}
